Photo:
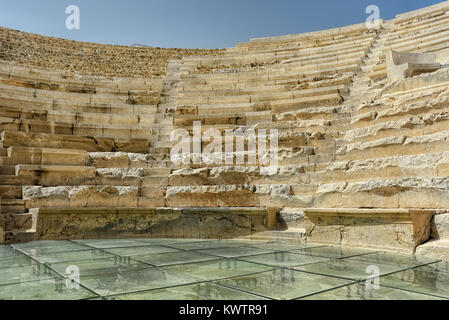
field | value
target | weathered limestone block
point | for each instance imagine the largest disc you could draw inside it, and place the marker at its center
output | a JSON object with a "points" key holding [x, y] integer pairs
{"points": [[402, 65], [187, 176], [187, 110], [156, 222], [416, 192], [10, 192], [293, 139], [387, 229], [82, 196], [435, 249], [424, 165], [43, 140], [57, 175], [216, 196], [119, 176], [290, 218], [119, 160], [16, 221], [440, 227], [44, 156]]}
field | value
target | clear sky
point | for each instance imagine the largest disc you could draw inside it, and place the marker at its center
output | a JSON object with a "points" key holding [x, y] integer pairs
{"points": [[191, 23]]}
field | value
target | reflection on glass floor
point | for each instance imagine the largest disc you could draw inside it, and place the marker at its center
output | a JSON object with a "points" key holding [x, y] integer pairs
{"points": [[194, 269]]}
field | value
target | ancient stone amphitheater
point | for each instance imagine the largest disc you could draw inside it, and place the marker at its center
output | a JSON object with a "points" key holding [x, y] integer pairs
{"points": [[361, 115]]}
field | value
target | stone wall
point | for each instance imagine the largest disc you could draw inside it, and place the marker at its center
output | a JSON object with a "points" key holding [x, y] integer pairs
{"points": [[89, 58]]}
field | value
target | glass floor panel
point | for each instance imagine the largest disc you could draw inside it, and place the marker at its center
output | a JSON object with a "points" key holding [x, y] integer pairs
{"points": [[360, 292], [350, 269], [41, 247], [218, 269], [200, 291], [171, 258], [284, 246], [49, 289], [99, 266], [283, 259], [430, 279], [203, 245], [16, 261], [117, 243], [136, 251], [69, 256], [199, 269], [234, 252], [394, 259], [333, 252], [8, 252], [139, 280], [32, 272], [283, 284]]}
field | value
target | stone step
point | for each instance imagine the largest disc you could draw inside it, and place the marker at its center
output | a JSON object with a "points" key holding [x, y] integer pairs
{"points": [[434, 249], [16, 221], [422, 165], [254, 77], [12, 87], [157, 172], [7, 170], [126, 160], [12, 206], [61, 141], [77, 175], [77, 129], [236, 99], [232, 118], [407, 192], [13, 180], [18, 236], [15, 71], [80, 196], [288, 51], [44, 156], [10, 191], [396, 145], [240, 175]]}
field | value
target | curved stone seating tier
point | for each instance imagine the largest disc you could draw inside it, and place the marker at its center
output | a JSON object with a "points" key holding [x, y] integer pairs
{"points": [[90, 58], [423, 24], [423, 33], [226, 64], [138, 98], [61, 141], [60, 80], [265, 87], [271, 58], [419, 14], [313, 44], [81, 118], [411, 36], [336, 33]]}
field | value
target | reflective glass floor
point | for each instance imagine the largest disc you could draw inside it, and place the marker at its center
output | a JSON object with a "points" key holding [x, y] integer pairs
{"points": [[189, 269]]}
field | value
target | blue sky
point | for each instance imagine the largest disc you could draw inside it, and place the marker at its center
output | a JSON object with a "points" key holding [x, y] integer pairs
{"points": [[191, 23]]}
